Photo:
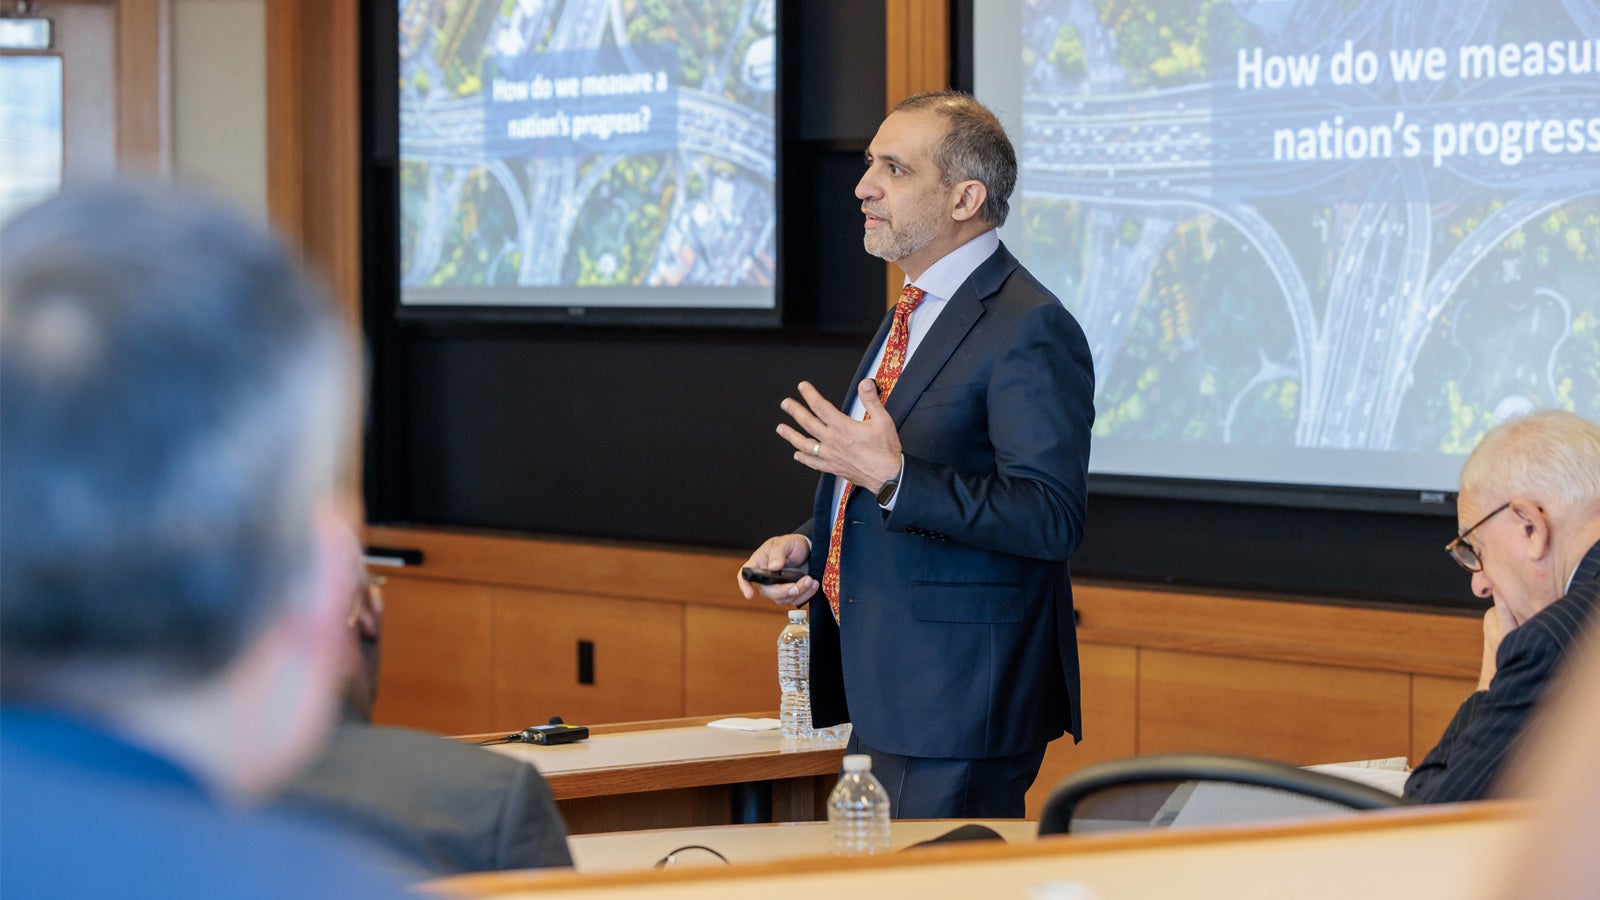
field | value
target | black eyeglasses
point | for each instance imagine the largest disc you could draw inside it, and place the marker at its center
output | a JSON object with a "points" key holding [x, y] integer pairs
{"points": [[1462, 551]]}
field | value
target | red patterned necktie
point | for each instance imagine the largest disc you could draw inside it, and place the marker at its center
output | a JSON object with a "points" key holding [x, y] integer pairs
{"points": [[894, 359]]}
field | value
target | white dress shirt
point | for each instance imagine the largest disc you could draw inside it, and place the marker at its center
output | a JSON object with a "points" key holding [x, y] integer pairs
{"points": [[938, 283]]}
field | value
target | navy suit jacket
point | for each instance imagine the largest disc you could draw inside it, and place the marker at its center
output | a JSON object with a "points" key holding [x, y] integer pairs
{"points": [[956, 637], [1490, 724]]}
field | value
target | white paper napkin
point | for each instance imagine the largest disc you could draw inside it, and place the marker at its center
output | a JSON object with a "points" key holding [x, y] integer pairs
{"points": [[738, 724]]}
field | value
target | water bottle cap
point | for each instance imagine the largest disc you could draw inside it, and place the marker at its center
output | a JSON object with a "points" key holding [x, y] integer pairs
{"points": [[797, 615], [858, 762]]}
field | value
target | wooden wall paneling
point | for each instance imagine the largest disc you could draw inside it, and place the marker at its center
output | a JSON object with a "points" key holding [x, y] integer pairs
{"points": [[918, 46], [314, 132], [144, 85], [681, 808], [314, 121], [917, 39], [437, 656], [1297, 713], [330, 92], [638, 658], [1110, 719], [286, 123], [1326, 633], [802, 799], [572, 566], [1434, 701], [730, 659]]}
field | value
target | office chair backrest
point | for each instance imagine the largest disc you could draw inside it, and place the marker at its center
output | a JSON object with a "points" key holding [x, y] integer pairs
{"points": [[1185, 790]]}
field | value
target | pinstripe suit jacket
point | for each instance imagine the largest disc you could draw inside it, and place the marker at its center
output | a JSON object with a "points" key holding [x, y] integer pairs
{"points": [[1490, 724]]}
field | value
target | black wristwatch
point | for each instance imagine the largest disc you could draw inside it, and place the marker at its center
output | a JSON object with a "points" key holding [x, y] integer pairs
{"points": [[886, 493]]}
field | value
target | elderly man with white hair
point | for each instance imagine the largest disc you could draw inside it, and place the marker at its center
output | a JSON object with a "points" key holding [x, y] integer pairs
{"points": [[1529, 510]]}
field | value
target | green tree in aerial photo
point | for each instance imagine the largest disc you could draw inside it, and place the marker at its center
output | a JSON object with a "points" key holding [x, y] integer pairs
{"points": [[1521, 330], [621, 224], [1068, 54], [1199, 364], [1163, 42]]}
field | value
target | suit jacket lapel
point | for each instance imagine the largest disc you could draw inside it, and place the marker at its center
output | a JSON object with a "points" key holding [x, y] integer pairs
{"points": [[823, 503], [960, 314]]}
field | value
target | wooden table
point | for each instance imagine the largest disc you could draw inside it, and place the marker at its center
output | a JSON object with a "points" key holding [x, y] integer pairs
{"points": [[1438, 853], [679, 772], [741, 844]]}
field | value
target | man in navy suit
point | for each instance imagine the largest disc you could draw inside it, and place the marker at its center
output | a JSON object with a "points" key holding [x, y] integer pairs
{"points": [[948, 509], [1529, 510]]}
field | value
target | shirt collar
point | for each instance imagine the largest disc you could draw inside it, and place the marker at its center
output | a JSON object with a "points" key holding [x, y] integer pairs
{"points": [[946, 276], [1588, 568]]}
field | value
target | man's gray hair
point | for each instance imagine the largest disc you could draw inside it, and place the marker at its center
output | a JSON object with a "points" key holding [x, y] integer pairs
{"points": [[1549, 456], [975, 148], [174, 402]]}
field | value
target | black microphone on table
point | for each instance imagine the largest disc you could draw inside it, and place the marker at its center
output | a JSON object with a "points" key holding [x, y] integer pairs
{"points": [[557, 732]]}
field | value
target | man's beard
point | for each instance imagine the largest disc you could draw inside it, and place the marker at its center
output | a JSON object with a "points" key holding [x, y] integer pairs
{"points": [[892, 244]]}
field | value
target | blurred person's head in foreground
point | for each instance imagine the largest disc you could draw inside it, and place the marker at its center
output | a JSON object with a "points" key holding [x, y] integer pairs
{"points": [[175, 404]]}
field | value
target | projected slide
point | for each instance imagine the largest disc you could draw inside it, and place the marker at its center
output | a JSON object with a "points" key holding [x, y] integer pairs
{"points": [[1311, 242], [588, 153]]}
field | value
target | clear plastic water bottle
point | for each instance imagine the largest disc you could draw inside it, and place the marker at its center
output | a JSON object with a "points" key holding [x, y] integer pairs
{"points": [[858, 811], [794, 676]]}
